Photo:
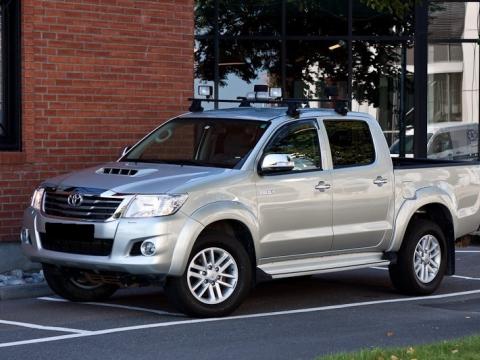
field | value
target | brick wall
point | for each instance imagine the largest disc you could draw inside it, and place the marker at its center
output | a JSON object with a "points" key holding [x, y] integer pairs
{"points": [[97, 75]]}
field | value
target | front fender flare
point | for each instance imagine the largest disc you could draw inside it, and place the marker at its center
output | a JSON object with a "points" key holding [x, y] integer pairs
{"points": [[200, 219]]}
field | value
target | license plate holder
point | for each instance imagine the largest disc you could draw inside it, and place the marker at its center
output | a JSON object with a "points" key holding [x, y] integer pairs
{"points": [[74, 232]]}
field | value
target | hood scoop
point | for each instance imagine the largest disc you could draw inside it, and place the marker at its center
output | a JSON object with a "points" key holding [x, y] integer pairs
{"points": [[125, 171]]}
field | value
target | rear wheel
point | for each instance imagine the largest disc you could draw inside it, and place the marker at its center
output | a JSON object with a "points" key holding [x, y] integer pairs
{"points": [[422, 259], [75, 286], [217, 278]]}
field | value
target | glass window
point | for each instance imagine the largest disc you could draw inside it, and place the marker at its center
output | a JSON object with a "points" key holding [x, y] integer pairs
{"points": [[317, 18], [317, 69], [244, 64], [440, 144], [367, 21], [200, 142], [453, 20], [3, 130], [300, 141], [351, 143], [376, 85], [204, 67], [249, 17], [10, 103], [453, 99]]}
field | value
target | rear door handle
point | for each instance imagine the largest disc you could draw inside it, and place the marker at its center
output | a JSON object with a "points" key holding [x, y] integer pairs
{"points": [[379, 181], [322, 186]]}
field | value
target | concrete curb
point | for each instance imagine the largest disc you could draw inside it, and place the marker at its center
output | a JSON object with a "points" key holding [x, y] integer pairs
{"points": [[24, 291]]}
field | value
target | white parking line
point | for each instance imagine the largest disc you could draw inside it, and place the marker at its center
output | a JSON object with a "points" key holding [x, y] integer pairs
{"points": [[238, 317], [133, 308], [41, 327], [467, 251], [453, 276], [465, 277]]}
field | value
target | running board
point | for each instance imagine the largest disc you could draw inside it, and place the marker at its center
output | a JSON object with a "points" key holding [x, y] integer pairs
{"points": [[323, 264]]}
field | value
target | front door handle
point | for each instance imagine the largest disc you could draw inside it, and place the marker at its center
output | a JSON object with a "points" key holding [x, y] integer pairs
{"points": [[379, 181], [322, 186]]}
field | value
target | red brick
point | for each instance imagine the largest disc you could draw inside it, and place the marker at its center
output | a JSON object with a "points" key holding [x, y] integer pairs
{"points": [[97, 75]]}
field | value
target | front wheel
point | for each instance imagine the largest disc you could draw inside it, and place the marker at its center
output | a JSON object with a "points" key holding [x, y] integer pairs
{"points": [[217, 278], [75, 286], [422, 259]]}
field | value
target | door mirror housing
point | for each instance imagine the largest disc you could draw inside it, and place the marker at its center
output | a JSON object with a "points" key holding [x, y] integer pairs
{"points": [[273, 163]]}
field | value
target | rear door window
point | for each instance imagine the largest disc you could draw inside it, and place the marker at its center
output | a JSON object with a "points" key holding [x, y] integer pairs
{"points": [[351, 143]]}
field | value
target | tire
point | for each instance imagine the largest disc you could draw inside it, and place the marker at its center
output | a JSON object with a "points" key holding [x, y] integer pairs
{"points": [[191, 294], [429, 264], [73, 286]]}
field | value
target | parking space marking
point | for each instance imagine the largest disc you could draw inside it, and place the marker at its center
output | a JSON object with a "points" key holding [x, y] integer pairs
{"points": [[118, 306], [467, 251], [464, 277], [237, 317], [41, 327]]}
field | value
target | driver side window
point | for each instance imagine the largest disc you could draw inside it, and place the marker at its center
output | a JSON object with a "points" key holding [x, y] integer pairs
{"points": [[300, 141]]}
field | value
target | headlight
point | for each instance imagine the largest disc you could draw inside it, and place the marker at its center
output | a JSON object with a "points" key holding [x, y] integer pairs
{"points": [[37, 198], [154, 205]]}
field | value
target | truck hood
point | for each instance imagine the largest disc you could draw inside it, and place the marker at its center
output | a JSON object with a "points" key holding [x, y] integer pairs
{"points": [[134, 178]]}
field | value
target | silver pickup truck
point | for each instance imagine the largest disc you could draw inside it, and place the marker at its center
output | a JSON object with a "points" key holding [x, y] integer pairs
{"points": [[211, 202]]}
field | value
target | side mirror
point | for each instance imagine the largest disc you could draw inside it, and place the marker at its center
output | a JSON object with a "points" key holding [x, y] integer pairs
{"points": [[125, 150], [272, 163]]}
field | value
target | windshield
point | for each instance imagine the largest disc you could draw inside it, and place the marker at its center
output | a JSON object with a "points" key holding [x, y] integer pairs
{"points": [[200, 142]]}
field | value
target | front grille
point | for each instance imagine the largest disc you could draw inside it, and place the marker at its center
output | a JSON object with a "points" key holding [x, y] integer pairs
{"points": [[96, 247], [91, 208]]}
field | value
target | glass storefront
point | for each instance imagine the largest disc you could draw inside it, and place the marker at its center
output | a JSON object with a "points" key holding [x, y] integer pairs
{"points": [[342, 49], [453, 71]]}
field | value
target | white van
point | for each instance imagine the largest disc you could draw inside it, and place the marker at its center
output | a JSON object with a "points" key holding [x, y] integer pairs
{"points": [[447, 140]]}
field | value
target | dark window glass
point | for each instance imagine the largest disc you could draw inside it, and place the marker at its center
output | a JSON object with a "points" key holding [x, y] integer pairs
{"points": [[300, 141], [10, 75], [317, 69], [351, 143], [367, 21], [317, 18], [244, 64], [3, 128], [249, 17], [376, 85], [200, 142]]}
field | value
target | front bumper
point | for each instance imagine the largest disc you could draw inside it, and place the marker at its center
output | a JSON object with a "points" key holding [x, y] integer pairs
{"points": [[164, 231]]}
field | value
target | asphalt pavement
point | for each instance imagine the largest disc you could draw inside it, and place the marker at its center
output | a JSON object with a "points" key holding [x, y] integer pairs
{"points": [[284, 319]]}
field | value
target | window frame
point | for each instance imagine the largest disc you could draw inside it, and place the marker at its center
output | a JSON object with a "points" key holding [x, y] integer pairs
{"points": [[11, 74], [334, 167], [271, 138]]}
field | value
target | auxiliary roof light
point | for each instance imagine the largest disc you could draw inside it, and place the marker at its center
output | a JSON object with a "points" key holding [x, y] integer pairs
{"points": [[205, 90]]}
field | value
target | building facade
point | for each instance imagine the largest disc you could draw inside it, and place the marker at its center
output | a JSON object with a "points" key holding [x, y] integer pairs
{"points": [[80, 79]]}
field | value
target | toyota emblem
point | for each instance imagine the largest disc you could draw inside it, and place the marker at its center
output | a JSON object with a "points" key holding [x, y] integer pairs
{"points": [[75, 199]]}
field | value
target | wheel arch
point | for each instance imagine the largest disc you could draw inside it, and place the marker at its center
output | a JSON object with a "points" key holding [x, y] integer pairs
{"points": [[436, 211], [227, 216]]}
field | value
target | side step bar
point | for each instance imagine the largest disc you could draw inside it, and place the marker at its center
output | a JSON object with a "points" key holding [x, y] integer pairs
{"points": [[323, 264]]}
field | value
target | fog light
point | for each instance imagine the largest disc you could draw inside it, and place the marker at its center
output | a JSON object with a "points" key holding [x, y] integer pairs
{"points": [[25, 236], [148, 248]]}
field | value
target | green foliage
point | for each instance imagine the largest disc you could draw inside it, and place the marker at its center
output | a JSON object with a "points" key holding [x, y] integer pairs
{"points": [[397, 8], [462, 349]]}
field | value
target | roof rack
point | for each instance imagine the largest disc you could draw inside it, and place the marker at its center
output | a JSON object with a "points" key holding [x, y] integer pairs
{"points": [[292, 104]]}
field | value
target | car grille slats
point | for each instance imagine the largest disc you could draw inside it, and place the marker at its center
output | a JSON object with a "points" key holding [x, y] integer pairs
{"points": [[92, 207]]}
